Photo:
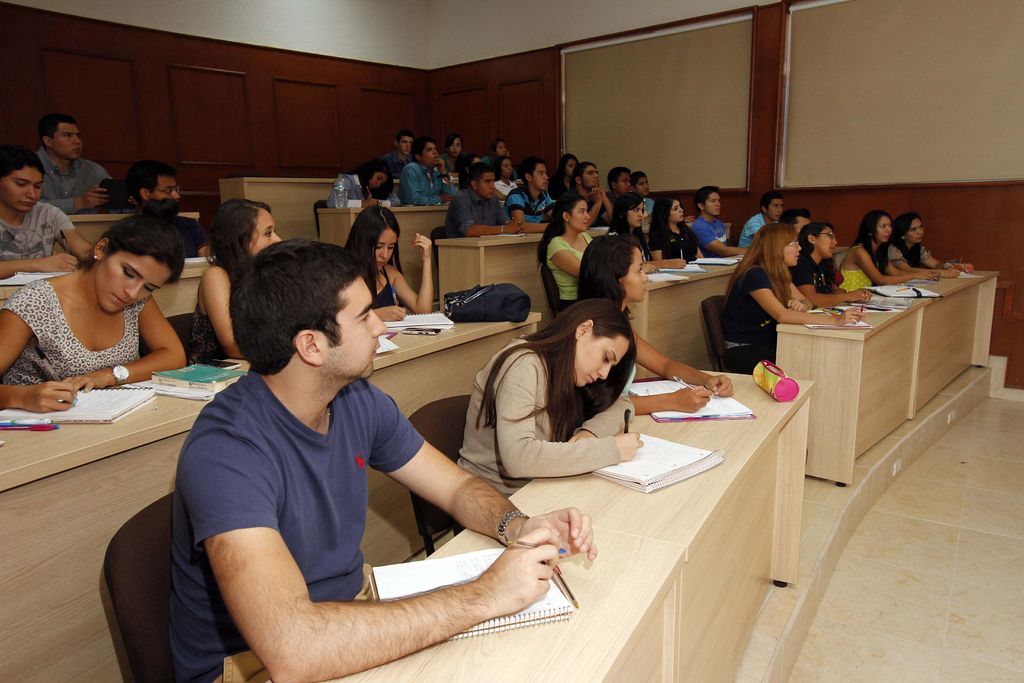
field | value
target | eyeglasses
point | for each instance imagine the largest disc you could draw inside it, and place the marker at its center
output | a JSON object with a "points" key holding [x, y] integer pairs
{"points": [[170, 189], [794, 243], [830, 235]]}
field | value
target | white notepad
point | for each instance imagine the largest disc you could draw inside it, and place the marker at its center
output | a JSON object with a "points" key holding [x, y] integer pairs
{"points": [[26, 278], [858, 325], [384, 344], [717, 261], [660, 463], [690, 268], [396, 581], [666, 277], [99, 406], [717, 406], [904, 292], [421, 320]]}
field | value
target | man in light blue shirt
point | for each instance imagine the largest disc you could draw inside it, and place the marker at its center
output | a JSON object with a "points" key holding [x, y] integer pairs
{"points": [[772, 207], [709, 230], [421, 184], [70, 182]]}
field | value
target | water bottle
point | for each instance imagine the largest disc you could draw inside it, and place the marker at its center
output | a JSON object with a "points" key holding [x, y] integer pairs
{"points": [[339, 195]]}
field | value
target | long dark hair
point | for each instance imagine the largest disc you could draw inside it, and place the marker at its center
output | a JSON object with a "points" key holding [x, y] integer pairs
{"points": [[661, 234], [900, 228], [866, 234], [497, 168], [568, 406], [365, 172], [231, 233], [362, 240], [556, 226], [824, 272], [605, 262], [620, 220], [557, 185], [146, 236]]}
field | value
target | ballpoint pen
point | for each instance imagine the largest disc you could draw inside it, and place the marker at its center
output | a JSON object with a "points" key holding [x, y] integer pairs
{"points": [[558, 571], [24, 422]]}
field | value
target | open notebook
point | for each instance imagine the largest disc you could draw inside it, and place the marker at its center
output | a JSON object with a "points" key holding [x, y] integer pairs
{"points": [[717, 408], [421, 320], [99, 406], [395, 581], [660, 463]]}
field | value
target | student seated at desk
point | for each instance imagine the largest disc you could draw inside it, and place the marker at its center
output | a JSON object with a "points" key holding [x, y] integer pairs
{"points": [[462, 166], [552, 404], [628, 219], [371, 184], [81, 331], [499, 148], [531, 203], [155, 181], [709, 230], [71, 183], [562, 181], [425, 182], [642, 186], [401, 156], [761, 295], [587, 183], [908, 253], [671, 236], [612, 269], [270, 497], [28, 227], [476, 211], [815, 273], [452, 151], [795, 218], [564, 241], [241, 229], [867, 261], [504, 177], [374, 241], [772, 206]]}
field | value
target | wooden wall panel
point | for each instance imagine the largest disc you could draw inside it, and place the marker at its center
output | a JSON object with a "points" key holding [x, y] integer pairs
{"points": [[384, 113], [465, 112], [520, 123], [211, 115], [100, 90], [306, 117]]}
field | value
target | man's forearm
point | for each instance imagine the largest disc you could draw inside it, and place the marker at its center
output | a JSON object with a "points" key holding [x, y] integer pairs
{"points": [[479, 506]]}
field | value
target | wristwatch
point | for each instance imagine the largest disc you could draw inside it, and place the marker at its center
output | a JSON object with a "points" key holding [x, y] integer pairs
{"points": [[120, 374], [505, 521]]}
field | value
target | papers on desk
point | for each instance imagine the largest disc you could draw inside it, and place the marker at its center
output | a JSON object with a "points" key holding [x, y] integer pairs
{"points": [[690, 268], [718, 261], [421, 320], [19, 279], [99, 406], [196, 261], [665, 277], [396, 581], [968, 275], [859, 325], [507, 234], [660, 463], [175, 392], [887, 303], [904, 292], [384, 344], [717, 408]]}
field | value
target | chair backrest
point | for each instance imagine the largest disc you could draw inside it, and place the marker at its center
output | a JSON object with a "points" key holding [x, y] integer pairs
{"points": [[550, 289], [436, 234], [712, 309], [182, 326], [137, 569], [442, 424], [318, 204]]}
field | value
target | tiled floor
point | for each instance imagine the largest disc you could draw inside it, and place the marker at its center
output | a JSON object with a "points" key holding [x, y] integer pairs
{"points": [[931, 585]]}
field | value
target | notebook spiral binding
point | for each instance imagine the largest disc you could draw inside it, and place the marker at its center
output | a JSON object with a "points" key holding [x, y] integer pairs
{"points": [[512, 622]]}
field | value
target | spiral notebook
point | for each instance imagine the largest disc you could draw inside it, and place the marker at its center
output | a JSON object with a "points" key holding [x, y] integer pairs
{"points": [[396, 581], [99, 406], [660, 463]]}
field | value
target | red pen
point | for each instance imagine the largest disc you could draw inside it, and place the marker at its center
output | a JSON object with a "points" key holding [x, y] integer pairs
{"points": [[29, 428]]}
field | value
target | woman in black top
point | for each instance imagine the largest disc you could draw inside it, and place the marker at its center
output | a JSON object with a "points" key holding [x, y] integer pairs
{"points": [[815, 274], [627, 219], [561, 181], [671, 237]]}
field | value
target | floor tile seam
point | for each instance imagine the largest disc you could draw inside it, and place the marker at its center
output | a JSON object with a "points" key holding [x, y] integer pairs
{"points": [[1015, 461], [907, 569], [919, 519], [994, 533], [896, 514], [981, 488], [917, 477], [949, 603], [887, 636]]}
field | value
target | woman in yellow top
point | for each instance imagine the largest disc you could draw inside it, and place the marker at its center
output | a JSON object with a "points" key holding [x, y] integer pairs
{"points": [[564, 241], [867, 261]]}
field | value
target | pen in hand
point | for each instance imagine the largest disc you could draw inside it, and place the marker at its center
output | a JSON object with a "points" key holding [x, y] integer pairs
{"points": [[626, 414], [557, 570]]}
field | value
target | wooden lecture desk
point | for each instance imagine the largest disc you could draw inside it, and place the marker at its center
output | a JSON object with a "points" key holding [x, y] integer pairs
{"points": [[870, 381], [64, 494], [290, 199], [681, 573], [174, 299], [91, 226], [335, 225]]}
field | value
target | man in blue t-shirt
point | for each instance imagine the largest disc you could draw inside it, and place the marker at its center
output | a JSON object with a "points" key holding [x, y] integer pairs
{"points": [[709, 230], [531, 203], [156, 181], [271, 493], [772, 206]]}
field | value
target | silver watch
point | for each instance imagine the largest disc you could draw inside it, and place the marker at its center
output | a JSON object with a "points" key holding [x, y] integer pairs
{"points": [[505, 521], [120, 374]]}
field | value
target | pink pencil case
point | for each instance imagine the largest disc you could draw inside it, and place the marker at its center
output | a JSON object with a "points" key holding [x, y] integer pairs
{"points": [[772, 379]]}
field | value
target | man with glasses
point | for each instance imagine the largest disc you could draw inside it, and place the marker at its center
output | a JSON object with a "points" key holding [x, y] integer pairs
{"points": [[70, 182], [153, 187]]}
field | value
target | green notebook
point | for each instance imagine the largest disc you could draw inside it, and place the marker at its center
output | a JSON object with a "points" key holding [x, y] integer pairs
{"points": [[198, 377]]}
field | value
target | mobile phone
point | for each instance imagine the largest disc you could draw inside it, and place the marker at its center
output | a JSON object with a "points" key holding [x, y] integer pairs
{"points": [[226, 364], [431, 331], [117, 194]]}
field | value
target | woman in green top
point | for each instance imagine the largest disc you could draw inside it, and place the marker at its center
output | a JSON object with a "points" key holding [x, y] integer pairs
{"points": [[564, 241]]}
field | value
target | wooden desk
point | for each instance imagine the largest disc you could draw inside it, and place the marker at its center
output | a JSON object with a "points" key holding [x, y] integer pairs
{"points": [[174, 299], [336, 224], [290, 199], [870, 381], [691, 609], [91, 226], [63, 495]]}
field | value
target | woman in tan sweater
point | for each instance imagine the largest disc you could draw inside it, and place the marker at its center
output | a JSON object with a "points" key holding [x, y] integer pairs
{"points": [[551, 404]]}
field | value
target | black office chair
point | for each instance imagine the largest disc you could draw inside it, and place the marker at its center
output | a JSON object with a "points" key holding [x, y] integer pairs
{"points": [[137, 570], [318, 204], [711, 310], [550, 290], [436, 234], [182, 325], [441, 423]]}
